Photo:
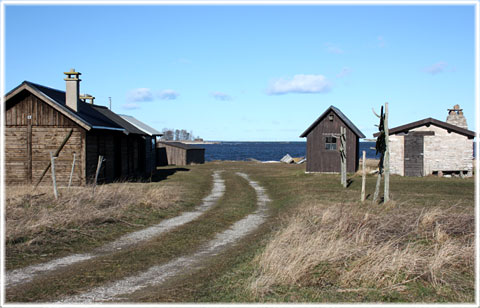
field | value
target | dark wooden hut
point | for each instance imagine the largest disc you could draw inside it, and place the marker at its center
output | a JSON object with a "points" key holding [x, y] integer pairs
{"points": [[39, 118], [323, 142], [178, 153]]}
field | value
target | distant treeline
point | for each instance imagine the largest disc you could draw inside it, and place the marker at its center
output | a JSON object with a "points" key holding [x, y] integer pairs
{"points": [[170, 134]]}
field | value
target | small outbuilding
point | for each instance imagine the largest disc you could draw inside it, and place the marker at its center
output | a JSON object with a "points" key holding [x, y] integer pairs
{"points": [[430, 146], [323, 142], [178, 153], [150, 143]]}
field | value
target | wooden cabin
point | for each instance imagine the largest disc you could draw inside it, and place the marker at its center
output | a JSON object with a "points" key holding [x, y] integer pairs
{"points": [[323, 142], [430, 146], [39, 118], [178, 153]]}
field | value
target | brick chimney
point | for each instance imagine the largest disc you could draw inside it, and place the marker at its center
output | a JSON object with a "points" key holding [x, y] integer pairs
{"points": [[72, 92], [455, 117]]}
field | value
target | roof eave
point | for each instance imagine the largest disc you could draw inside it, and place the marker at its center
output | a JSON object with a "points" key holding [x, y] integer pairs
{"points": [[26, 86], [359, 134], [431, 121]]}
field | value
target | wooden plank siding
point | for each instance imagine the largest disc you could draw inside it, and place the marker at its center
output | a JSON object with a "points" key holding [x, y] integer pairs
{"points": [[319, 159], [173, 155], [33, 130]]}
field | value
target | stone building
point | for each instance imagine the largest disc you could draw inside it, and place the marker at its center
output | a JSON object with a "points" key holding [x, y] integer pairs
{"points": [[430, 146]]}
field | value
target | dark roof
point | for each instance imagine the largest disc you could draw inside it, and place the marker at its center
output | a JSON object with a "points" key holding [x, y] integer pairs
{"points": [[340, 114], [181, 145], [430, 121], [131, 129], [85, 111]]}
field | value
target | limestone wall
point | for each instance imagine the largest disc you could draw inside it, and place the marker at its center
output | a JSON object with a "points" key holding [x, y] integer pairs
{"points": [[446, 151], [442, 152], [396, 154]]}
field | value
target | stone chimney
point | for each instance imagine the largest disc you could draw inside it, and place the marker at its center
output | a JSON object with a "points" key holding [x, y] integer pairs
{"points": [[455, 117], [72, 92], [86, 97]]}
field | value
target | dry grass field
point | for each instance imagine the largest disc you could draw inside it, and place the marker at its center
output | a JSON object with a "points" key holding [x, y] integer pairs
{"points": [[40, 227], [319, 244]]}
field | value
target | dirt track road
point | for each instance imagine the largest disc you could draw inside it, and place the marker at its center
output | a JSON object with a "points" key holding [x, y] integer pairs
{"points": [[116, 290]]}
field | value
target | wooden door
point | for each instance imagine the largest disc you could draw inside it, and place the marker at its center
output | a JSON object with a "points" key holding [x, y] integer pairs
{"points": [[413, 157]]}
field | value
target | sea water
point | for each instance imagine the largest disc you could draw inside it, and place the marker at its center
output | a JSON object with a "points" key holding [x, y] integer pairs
{"points": [[266, 151]]}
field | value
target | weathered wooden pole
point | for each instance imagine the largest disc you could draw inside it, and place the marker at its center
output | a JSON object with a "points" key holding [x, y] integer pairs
{"points": [[364, 174], [56, 155], [54, 180], [386, 160], [71, 172], [343, 157], [99, 165]]}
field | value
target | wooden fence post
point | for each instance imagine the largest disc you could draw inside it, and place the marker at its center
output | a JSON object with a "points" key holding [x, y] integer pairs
{"points": [[54, 180], [56, 155], [364, 173], [386, 162], [99, 165], [71, 172]]}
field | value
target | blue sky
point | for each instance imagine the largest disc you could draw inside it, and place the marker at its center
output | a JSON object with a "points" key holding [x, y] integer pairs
{"points": [[261, 73]]}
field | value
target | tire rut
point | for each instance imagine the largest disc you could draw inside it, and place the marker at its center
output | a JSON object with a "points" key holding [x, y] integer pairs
{"points": [[26, 274], [161, 273]]}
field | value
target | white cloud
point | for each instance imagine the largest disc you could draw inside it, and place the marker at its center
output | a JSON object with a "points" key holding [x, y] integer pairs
{"points": [[140, 95], [131, 106], [168, 94], [221, 96], [436, 68], [300, 84], [332, 48], [344, 72]]}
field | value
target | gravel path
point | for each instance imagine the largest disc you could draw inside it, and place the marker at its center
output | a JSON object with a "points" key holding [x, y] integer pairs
{"points": [[160, 273], [26, 274]]}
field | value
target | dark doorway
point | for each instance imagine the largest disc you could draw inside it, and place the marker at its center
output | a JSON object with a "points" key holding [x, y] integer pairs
{"points": [[413, 157]]}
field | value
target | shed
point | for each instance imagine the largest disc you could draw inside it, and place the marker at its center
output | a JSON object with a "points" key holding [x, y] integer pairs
{"points": [[431, 146], [323, 142], [38, 119], [138, 148], [150, 141], [178, 153]]}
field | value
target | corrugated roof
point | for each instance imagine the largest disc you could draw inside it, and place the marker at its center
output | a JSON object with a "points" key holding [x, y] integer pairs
{"points": [[430, 121], [340, 114], [131, 129], [144, 127], [85, 111], [181, 145]]}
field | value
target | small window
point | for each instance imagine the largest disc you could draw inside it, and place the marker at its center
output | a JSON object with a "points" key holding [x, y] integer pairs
{"points": [[331, 143], [330, 117]]}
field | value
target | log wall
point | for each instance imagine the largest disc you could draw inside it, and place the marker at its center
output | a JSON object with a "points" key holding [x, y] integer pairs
{"points": [[33, 129]]}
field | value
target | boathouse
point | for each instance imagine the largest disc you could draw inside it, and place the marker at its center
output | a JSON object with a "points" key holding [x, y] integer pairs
{"points": [[431, 146], [38, 119], [178, 153], [323, 142]]}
